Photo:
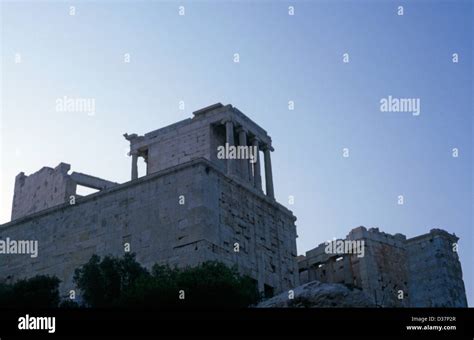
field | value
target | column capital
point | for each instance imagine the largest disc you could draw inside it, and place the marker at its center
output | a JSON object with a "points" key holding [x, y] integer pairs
{"points": [[254, 140], [242, 129], [227, 120], [267, 147]]}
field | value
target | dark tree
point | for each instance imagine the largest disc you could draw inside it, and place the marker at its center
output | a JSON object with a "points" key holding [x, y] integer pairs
{"points": [[37, 292], [104, 283], [115, 282]]}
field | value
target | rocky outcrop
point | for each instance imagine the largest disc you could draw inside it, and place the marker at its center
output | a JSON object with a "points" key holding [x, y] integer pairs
{"points": [[316, 294]]}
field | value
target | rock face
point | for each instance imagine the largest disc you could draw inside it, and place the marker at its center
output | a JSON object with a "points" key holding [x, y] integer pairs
{"points": [[316, 294]]}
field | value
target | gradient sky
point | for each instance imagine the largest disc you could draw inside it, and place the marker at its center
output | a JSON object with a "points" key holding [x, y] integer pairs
{"points": [[282, 58]]}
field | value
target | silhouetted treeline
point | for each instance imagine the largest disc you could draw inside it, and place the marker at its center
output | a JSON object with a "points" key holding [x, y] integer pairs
{"points": [[113, 282]]}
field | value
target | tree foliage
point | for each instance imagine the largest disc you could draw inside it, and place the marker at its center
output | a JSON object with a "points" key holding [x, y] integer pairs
{"points": [[104, 282], [123, 282], [113, 282], [37, 292]]}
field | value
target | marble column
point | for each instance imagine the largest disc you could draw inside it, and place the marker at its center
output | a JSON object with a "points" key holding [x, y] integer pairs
{"points": [[134, 164], [244, 163], [257, 179], [268, 171], [145, 158], [249, 171], [229, 135]]}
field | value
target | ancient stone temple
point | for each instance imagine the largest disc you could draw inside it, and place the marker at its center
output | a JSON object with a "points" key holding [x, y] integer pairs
{"points": [[190, 206], [392, 270]]}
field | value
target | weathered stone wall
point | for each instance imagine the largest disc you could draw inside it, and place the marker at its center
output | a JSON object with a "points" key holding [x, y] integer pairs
{"points": [[327, 267], [46, 188], [191, 139], [264, 230], [179, 145], [50, 187], [217, 212], [144, 213], [218, 138], [435, 271], [383, 271]]}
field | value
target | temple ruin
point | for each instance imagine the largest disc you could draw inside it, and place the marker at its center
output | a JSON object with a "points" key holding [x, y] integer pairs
{"points": [[394, 271], [189, 207], [193, 206]]}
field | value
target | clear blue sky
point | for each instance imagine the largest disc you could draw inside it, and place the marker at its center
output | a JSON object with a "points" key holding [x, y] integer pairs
{"points": [[282, 58]]}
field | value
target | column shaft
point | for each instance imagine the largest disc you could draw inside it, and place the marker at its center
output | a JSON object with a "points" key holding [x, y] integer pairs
{"points": [[244, 163], [134, 165], [268, 173], [249, 169], [229, 134], [257, 179]]}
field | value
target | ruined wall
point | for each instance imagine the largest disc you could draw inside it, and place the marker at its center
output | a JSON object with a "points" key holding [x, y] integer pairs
{"points": [[395, 272], [50, 187], [46, 188], [329, 267], [381, 272], [338, 269], [435, 271], [384, 268], [146, 213]]}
